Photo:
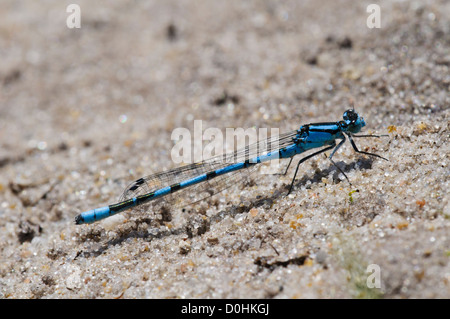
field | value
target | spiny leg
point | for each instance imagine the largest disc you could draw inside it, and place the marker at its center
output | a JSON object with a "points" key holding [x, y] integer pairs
{"points": [[331, 159], [370, 135], [290, 161], [304, 159], [358, 151]]}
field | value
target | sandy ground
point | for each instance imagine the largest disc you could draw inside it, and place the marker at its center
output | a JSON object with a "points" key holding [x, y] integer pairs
{"points": [[84, 112]]}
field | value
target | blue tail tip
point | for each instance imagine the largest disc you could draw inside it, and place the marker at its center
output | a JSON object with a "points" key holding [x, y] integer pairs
{"points": [[79, 220]]}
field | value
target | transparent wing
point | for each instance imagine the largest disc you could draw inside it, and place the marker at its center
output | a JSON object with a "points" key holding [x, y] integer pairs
{"points": [[207, 188]]}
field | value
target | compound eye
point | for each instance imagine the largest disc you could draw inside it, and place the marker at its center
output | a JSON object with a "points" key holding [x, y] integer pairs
{"points": [[350, 115]]}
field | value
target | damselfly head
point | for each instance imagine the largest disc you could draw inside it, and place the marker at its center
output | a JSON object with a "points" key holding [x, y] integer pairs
{"points": [[353, 120], [350, 116]]}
